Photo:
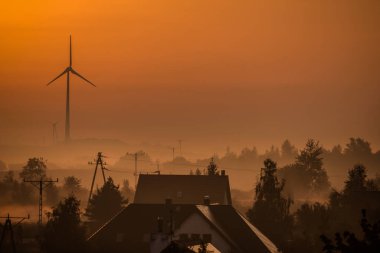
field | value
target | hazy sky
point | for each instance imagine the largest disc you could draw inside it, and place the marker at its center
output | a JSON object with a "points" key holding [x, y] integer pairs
{"points": [[211, 72]]}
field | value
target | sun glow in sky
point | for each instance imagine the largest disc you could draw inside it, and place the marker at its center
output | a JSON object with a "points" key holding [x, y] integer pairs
{"points": [[215, 73]]}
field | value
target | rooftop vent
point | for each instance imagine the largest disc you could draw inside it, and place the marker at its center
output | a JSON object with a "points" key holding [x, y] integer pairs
{"points": [[206, 200]]}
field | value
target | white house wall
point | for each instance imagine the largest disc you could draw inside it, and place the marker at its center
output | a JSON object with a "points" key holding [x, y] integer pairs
{"points": [[196, 224]]}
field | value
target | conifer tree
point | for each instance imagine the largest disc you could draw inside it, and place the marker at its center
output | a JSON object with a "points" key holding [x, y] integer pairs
{"points": [[270, 211], [64, 231], [107, 201]]}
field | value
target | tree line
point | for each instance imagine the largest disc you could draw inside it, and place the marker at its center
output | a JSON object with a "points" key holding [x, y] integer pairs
{"points": [[316, 226], [67, 225], [330, 226], [17, 192]]}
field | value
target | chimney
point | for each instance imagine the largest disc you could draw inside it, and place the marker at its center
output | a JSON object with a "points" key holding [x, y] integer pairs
{"points": [[223, 173], [206, 200], [160, 223]]}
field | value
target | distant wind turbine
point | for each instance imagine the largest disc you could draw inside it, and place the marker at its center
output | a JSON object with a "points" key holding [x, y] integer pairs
{"points": [[67, 71], [55, 133]]}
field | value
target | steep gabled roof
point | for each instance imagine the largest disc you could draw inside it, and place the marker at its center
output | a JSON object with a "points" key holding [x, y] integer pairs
{"points": [[241, 233], [138, 221], [135, 223], [182, 189]]}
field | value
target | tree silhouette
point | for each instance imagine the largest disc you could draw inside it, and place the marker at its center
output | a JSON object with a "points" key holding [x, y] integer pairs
{"points": [[349, 243], [71, 184], [212, 168], [63, 231], [288, 151], [355, 194], [105, 202], [34, 169], [356, 179], [358, 147], [312, 220], [127, 191], [311, 161], [270, 211]]}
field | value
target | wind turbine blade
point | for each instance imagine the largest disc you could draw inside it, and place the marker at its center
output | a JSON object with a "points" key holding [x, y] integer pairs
{"points": [[64, 72], [76, 73], [71, 59]]}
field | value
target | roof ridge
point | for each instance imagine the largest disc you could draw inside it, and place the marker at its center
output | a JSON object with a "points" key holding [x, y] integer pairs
{"points": [[262, 238], [215, 223]]}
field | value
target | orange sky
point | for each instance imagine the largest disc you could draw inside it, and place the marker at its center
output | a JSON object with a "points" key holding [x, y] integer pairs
{"points": [[211, 72]]}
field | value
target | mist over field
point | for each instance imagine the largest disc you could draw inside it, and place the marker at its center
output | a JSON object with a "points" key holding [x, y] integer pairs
{"points": [[190, 126]]}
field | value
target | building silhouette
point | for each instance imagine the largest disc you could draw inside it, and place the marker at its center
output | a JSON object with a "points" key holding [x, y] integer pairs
{"points": [[187, 215]]}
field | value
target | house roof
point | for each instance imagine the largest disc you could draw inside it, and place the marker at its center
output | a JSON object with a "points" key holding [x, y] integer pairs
{"points": [[183, 189], [138, 221], [241, 233]]}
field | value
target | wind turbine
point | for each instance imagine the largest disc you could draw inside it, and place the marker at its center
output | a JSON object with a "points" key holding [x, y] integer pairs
{"points": [[55, 133], [67, 71]]}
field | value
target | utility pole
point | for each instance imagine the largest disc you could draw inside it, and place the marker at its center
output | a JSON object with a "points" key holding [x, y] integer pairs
{"points": [[180, 147], [7, 228], [99, 163], [173, 153], [135, 155], [40, 184]]}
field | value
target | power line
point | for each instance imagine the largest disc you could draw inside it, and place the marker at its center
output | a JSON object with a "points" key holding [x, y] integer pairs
{"points": [[40, 186], [99, 162], [8, 228], [135, 155], [120, 171]]}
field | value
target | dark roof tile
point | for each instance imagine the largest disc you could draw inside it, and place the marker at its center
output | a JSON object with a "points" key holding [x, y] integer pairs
{"points": [[182, 189]]}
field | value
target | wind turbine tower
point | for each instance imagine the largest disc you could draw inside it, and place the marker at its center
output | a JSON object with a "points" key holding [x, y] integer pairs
{"points": [[55, 133], [67, 72]]}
